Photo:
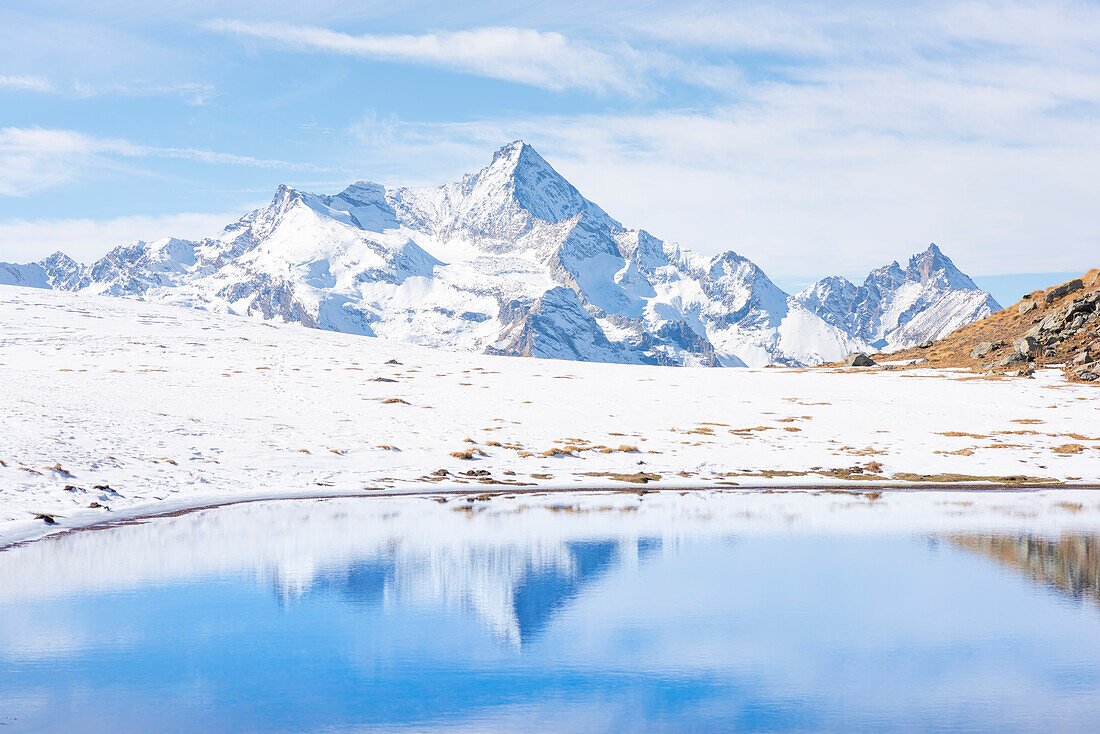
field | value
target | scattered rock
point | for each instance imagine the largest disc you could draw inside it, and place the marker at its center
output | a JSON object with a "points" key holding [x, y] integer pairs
{"points": [[1064, 290], [382, 379], [925, 344], [985, 348], [1026, 346], [858, 359], [1028, 306], [1051, 323], [48, 519], [391, 361], [1087, 376], [440, 473], [1014, 358], [1082, 357]]}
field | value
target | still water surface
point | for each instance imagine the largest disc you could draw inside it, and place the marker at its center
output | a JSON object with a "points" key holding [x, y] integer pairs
{"points": [[365, 616]]}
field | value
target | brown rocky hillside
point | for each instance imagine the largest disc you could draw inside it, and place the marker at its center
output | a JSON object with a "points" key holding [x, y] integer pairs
{"points": [[1055, 327]]}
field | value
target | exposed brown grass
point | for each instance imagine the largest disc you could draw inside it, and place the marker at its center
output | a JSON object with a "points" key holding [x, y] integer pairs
{"points": [[1069, 448], [951, 478], [468, 454], [636, 478], [392, 401]]}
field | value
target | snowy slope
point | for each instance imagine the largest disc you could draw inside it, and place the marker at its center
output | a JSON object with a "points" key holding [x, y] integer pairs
{"points": [[509, 260], [140, 407], [896, 308]]}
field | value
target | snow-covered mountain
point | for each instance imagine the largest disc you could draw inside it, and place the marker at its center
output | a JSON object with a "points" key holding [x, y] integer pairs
{"points": [[513, 260], [896, 308]]}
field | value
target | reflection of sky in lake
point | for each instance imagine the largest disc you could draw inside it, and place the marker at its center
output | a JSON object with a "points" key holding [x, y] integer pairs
{"points": [[703, 631]]}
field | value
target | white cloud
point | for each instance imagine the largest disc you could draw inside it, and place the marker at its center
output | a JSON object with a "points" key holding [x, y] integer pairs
{"points": [[88, 239], [542, 59], [34, 159], [26, 83], [194, 94], [855, 135], [797, 184]]}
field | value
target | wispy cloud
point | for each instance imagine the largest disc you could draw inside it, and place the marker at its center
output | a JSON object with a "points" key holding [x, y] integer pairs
{"points": [[26, 83], [34, 159], [854, 135], [542, 59], [194, 94], [804, 184]]}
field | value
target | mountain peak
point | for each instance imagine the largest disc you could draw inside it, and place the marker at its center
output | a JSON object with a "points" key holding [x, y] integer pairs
{"points": [[513, 151], [933, 264], [518, 160], [519, 174]]}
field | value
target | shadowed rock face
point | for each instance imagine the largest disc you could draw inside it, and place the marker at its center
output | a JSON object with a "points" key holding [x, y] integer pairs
{"points": [[1069, 565]]}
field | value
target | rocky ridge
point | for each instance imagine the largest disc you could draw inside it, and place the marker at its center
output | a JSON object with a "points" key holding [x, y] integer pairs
{"points": [[514, 260], [1054, 327]]}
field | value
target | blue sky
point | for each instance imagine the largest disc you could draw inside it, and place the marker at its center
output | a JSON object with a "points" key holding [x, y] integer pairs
{"points": [[814, 138]]}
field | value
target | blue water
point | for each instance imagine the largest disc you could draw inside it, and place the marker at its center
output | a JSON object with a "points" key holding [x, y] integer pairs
{"points": [[710, 633]]}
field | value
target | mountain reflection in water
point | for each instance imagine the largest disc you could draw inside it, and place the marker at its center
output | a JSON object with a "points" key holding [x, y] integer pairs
{"points": [[1069, 564], [515, 592], [663, 612]]}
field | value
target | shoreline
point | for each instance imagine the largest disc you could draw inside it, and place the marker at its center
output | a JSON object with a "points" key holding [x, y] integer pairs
{"points": [[141, 514]]}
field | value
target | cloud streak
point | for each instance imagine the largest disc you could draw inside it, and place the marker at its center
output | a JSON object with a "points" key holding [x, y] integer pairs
{"points": [[542, 59], [35, 159], [26, 83]]}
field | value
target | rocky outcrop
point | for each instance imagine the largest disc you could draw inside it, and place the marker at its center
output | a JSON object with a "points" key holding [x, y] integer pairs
{"points": [[984, 348], [1068, 333], [1055, 327], [858, 359]]}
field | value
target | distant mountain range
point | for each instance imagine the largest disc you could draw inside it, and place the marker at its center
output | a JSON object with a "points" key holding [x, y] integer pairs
{"points": [[513, 260]]}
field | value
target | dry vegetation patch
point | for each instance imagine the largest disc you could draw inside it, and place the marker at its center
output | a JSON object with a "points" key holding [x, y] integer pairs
{"points": [[952, 478], [636, 478], [468, 454]]}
